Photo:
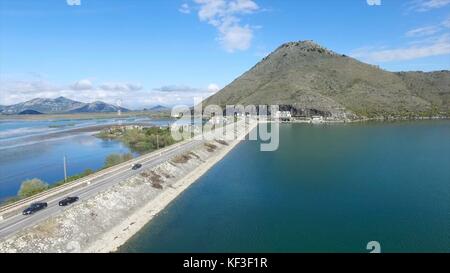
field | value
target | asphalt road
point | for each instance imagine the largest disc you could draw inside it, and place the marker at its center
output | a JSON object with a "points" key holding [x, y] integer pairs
{"points": [[13, 224]]}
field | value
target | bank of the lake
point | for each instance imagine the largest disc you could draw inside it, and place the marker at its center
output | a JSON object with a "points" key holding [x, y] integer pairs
{"points": [[35, 149], [329, 188], [108, 218]]}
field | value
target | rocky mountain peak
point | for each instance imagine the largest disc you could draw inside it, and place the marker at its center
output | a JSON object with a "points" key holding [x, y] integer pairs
{"points": [[307, 46], [59, 105], [309, 79]]}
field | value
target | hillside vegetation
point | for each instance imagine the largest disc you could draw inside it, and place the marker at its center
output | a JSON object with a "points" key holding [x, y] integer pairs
{"points": [[308, 79], [140, 140]]}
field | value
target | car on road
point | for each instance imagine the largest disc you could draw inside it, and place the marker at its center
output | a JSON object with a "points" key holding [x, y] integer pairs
{"points": [[35, 207], [136, 166], [67, 201]]}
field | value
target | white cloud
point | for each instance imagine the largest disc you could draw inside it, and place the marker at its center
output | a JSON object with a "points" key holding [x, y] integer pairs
{"points": [[152, 98], [125, 87], [433, 40], [429, 30], [73, 2], [213, 88], [236, 38], [175, 88], [374, 2], [423, 31], [243, 6], [82, 85], [132, 96], [426, 5], [225, 16], [426, 48], [446, 23], [185, 8]]}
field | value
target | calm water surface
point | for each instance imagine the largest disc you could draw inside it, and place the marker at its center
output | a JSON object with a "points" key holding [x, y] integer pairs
{"points": [[327, 189], [35, 149]]}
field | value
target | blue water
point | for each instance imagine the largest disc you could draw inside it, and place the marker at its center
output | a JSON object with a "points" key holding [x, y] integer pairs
{"points": [[15, 132], [31, 149], [327, 189]]}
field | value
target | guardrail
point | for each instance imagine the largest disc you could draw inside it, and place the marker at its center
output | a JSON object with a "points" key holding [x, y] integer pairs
{"points": [[69, 185]]}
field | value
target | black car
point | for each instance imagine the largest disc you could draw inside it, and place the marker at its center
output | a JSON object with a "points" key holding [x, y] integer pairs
{"points": [[33, 208], [68, 200], [137, 166]]}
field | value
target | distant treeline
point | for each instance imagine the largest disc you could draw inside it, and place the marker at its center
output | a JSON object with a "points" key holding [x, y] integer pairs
{"points": [[140, 140]]}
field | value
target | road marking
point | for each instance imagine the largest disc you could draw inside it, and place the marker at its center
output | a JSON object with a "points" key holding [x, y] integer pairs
{"points": [[118, 175]]}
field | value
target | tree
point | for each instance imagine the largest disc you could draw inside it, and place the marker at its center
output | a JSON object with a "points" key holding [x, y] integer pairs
{"points": [[115, 159], [87, 172], [31, 187]]}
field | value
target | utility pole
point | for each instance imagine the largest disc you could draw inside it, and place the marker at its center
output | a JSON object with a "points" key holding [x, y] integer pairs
{"points": [[157, 142], [65, 169], [157, 145]]}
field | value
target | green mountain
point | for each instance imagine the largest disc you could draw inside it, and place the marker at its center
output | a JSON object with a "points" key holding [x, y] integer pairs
{"points": [[159, 108], [59, 105], [309, 79]]}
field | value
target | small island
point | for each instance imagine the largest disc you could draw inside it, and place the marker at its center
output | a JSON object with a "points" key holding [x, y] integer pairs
{"points": [[138, 138]]}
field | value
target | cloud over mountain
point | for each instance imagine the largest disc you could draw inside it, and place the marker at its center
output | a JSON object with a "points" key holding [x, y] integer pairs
{"points": [[132, 95], [427, 5], [226, 17], [426, 41]]}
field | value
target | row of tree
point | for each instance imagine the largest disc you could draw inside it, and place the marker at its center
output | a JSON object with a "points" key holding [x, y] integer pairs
{"points": [[34, 186]]}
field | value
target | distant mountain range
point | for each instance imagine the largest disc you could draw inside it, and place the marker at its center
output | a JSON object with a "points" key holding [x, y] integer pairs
{"points": [[308, 79], [59, 105], [30, 112], [158, 108]]}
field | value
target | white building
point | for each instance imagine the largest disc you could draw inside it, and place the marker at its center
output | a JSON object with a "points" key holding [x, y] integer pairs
{"points": [[317, 119], [283, 115]]}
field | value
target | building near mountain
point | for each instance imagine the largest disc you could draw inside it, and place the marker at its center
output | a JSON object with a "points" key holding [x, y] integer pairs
{"points": [[283, 115], [308, 80]]}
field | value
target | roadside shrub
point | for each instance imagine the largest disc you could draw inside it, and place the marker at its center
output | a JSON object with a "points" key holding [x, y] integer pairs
{"points": [[181, 159], [157, 186], [115, 159], [86, 172], [31, 187], [210, 147], [194, 155], [223, 142]]}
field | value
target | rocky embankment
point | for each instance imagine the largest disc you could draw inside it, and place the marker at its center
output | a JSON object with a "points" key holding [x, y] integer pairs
{"points": [[108, 220]]}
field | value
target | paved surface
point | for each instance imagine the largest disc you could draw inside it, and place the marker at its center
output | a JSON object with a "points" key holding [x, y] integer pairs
{"points": [[15, 223]]}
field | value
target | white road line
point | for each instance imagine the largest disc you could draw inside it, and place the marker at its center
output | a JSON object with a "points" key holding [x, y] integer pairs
{"points": [[15, 223]]}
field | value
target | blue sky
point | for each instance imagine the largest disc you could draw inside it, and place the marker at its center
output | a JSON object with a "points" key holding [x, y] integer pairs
{"points": [[148, 52]]}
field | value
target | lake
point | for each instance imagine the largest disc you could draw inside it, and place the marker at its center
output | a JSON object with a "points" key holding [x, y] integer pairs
{"points": [[35, 149], [330, 188]]}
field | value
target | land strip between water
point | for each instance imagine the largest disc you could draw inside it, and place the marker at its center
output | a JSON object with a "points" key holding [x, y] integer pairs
{"points": [[113, 210]]}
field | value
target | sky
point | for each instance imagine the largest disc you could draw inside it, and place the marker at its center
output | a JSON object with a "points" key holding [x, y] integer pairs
{"points": [[141, 53]]}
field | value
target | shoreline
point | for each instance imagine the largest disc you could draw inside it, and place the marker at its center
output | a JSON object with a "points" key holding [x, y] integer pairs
{"points": [[119, 235], [82, 116], [63, 134], [103, 222]]}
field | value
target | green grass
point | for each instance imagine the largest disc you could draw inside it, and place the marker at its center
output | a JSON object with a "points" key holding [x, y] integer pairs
{"points": [[141, 141], [35, 186]]}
